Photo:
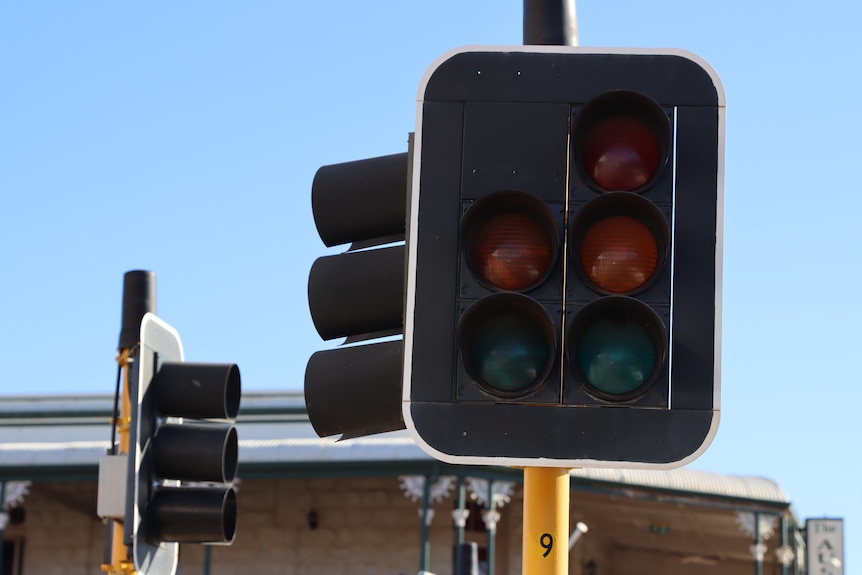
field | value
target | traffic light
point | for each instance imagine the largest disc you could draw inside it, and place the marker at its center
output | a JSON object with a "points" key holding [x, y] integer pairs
{"points": [[564, 258], [180, 471], [355, 390]]}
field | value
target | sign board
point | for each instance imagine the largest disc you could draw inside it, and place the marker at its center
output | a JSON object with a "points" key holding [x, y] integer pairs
{"points": [[825, 545], [160, 342]]}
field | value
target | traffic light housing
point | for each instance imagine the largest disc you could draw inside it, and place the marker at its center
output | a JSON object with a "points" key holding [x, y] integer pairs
{"points": [[564, 258], [184, 450], [355, 390]]}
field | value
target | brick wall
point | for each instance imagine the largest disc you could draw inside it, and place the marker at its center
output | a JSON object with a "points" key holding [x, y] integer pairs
{"points": [[61, 533], [365, 526]]}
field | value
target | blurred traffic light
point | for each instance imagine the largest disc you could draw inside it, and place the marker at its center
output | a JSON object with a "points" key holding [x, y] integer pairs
{"points": [[184, 450]]}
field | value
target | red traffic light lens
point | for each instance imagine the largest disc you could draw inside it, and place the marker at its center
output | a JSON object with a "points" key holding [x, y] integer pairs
{"points": [[621, 154], [619, 254], [507, 344], [511, 240], [621, 141]]}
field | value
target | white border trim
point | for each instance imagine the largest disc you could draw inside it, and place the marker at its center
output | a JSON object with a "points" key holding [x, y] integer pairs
{"points": [[716, 80], [410, 284]]}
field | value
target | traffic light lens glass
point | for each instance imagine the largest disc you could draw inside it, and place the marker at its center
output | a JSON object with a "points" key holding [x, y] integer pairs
{"points": [[621, 154], [512, 251], [507, 341], [616, 356], [508, 352], [619, 254]]}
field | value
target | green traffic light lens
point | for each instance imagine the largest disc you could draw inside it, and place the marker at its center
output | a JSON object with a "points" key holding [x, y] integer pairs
{"points": [[617, 345], [508, 352], [507, 342], [616, 356]]}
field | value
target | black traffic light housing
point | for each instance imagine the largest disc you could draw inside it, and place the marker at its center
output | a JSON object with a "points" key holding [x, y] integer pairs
{"points": [[184, 450], [564, 258], [355, 390]]}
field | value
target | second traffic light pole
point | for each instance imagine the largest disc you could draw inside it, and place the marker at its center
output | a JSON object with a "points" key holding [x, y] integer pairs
{"points": [[139, 297], [546, 489]]}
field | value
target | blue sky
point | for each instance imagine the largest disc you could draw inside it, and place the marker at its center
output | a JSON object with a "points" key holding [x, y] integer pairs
{"points": [[183, 139]]}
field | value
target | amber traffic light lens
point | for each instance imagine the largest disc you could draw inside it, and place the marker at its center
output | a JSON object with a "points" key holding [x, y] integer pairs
{"points": [[510, 240], [621, 154], [620, 240], [619, 254], [512, 251]]}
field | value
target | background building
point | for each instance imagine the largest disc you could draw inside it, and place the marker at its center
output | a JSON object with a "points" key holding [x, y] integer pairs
{"points": [[315, 506]]}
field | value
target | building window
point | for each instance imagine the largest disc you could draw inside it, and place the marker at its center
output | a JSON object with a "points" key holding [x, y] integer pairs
{"points": [[474, 520]]}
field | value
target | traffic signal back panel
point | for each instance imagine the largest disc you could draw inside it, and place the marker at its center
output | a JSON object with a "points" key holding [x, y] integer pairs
{"points": [[563, 282]]}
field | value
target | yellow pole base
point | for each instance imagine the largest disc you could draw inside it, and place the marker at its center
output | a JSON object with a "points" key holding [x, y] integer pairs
{"points": [[121, 568], [545, 549]]}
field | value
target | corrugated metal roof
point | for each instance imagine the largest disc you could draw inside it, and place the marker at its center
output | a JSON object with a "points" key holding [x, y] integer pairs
{"points": [[74, 431], [51, 453], [386, 447], [691, 481]]}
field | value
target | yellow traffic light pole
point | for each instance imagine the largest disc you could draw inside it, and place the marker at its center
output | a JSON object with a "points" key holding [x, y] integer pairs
{"points": [[139, 297], [545, 548], [120, 561]]}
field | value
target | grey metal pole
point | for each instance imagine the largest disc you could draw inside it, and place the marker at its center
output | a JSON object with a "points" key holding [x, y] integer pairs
{"points": [[758, 564], [468, 559], [208, 559], [462, 505], [425, 549], [492, 530], [550, 23], [3, 517], [796, 536], [459, 524]]}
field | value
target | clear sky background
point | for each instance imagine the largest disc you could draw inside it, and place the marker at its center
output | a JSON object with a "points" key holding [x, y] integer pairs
{"points": [[183, 138]]}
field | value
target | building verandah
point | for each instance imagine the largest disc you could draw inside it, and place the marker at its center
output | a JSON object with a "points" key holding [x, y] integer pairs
{"points": [[380, 505]]}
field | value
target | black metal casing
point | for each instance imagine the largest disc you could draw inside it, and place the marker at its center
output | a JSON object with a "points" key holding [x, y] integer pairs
{"points": [[492, 119], [181, 471], [355, 390]]}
